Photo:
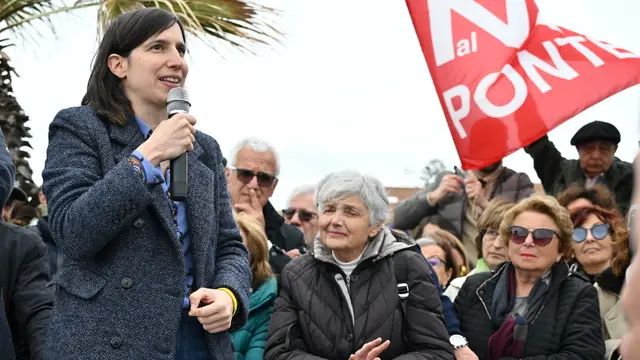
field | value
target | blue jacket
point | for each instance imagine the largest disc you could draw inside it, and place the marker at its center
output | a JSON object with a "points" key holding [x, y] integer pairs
{"points": [[250, 340], [120, 292]]}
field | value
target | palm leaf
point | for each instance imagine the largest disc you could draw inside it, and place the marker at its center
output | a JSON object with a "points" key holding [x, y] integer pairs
{"points": [[240, 23]]}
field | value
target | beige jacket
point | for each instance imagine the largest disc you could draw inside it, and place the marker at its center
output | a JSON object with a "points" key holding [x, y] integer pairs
{"points": [[613, 323]]}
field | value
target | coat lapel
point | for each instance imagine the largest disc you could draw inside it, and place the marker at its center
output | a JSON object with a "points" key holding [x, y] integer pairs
{"points": [[200, 210], [127, 139]]}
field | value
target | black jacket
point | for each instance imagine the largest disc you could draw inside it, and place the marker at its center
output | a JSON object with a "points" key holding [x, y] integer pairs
{"points": [[24, 274], [6, 341], [54, 256], [320, 315], [283, 237], [557, 173], [568, 326]]}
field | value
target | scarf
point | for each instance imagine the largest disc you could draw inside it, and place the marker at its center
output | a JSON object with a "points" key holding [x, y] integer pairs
{"points": [[510, 329]]}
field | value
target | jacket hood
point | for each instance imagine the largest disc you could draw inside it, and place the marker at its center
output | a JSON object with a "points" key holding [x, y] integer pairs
{"points": [[385, 243]]}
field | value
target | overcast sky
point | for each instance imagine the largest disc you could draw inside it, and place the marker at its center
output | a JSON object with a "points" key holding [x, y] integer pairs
{"points": [[349, 88]]}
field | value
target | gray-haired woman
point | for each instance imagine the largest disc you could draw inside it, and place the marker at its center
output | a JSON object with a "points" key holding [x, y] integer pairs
{"points": [[357, 294]]}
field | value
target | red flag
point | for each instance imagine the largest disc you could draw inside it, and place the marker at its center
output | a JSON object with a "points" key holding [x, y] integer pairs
{"points": [[505, 77]]}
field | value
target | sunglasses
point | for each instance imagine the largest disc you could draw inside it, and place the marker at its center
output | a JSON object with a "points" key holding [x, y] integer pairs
{"points": [[541, 237], [303, 215], [598, 232], [435, 261], [245, 176]]}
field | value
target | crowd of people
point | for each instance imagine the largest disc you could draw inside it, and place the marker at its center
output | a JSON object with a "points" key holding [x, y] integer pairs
{"points": [[104, 264]]}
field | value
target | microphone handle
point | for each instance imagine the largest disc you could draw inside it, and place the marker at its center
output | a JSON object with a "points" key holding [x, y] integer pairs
{"points": [[178, 166], [178, 187]]}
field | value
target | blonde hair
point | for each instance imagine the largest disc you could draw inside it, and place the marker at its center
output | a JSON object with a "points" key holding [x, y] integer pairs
{"points": [[256, 241], [547, 205]]}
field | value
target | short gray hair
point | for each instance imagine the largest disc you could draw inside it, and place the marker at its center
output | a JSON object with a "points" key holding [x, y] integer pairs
{"points": [[424, 241], [345, 183], [301, 190], [257, 145]]}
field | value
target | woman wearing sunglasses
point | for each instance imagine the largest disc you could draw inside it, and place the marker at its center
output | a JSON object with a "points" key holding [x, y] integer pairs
{"points": [[532, 306], [439, 255], [601, 243], [594, 235]]}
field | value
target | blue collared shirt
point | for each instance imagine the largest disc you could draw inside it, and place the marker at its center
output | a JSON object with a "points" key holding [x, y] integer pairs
{"points": [[153, 175]]}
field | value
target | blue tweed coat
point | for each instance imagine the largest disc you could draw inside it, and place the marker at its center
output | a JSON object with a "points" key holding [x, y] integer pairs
{"points": [[119, 295]]}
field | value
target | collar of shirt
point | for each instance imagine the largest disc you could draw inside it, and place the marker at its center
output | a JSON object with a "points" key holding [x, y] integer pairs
{"points": [[592, 181], [144, 128]]}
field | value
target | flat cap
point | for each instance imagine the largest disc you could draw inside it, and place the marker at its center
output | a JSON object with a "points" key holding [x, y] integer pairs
{"points": [[596, 131]]}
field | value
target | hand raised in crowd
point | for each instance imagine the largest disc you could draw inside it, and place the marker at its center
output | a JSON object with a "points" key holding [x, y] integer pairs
{"points": [[475, 193], [465, 354], [293, 253], [253, 209], [448, 185], [371, 350], [217, 313], [172, 138]]}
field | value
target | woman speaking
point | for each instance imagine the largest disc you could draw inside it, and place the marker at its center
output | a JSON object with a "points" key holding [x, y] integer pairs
{"points": [[145, 277]]}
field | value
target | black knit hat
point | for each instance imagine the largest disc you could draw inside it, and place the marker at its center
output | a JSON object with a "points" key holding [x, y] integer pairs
{"points": [[596, 131]]}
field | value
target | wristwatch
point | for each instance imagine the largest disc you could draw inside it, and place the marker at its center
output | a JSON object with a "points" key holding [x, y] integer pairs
{"points": [[458, 341]]}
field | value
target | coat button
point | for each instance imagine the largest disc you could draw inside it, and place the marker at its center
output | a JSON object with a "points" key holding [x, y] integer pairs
{"points": [[349, 337], [353, 278], [116, 342], [138, 223], [126, 283]]}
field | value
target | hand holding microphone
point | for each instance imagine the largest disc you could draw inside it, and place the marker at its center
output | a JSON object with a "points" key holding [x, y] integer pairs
{"points": [[173, 137], [171, 140]]}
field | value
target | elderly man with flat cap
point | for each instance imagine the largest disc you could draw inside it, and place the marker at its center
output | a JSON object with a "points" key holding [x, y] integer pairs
{"points": [[597, 143]]}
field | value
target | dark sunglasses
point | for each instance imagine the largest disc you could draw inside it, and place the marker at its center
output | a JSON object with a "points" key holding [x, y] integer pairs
{"points": [[598, 232], [541, 237], [303, 215], [435, 261], [245, 176]]}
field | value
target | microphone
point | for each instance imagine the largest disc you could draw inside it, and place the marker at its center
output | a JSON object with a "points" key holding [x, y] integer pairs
{"points": [[178, 103]]}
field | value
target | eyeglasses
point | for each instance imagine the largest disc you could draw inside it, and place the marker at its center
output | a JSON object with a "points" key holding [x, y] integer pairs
{"points": [[435, 261], [245, 176], [598, 232], [489, 235], [303, 214], [541, 237]]}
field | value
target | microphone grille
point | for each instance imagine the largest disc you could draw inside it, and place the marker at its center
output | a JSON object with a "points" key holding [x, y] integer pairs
{"points": [[178, 101]]}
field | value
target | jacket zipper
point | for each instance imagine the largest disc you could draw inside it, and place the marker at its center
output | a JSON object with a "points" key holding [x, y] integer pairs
{"points": [[341, 281], [487, 309]]}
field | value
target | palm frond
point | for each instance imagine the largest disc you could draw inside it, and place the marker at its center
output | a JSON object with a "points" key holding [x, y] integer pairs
{"points": [[13, 13], [18, 14], [240, 23]]}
